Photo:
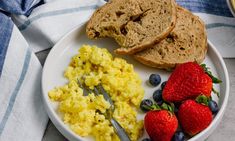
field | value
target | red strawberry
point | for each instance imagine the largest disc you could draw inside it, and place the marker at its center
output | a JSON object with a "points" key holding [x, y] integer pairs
{"points": [[187, 82], [160, 125], [194, 117]]}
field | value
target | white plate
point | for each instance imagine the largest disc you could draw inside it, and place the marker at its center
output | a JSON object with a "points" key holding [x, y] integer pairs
{"points": [[60, 56]]}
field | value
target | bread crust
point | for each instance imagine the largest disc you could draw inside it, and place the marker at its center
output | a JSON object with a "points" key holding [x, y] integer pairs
{"points": [[142, 46], [147, 56], [157, 39]]}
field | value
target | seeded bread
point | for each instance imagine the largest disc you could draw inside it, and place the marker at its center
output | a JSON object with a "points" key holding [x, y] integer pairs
{"points": [[134, 24], [187, 42]]}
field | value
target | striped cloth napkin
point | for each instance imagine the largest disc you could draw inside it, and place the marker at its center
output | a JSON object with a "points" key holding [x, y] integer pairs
{"points": [[31, 26]]}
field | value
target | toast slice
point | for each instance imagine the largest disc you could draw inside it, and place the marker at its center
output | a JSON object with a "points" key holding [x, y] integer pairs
{"points": [[187, 42], [134, 24]]}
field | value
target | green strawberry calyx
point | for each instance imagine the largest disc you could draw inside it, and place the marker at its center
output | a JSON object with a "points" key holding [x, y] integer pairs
{"points": [[169, 107], [202, 99], [215, 92], [209, 73], [165, 106], [153, 107]]}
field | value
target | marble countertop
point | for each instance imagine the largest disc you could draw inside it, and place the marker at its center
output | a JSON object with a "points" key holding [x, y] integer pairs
{"points": [[225, 131]]}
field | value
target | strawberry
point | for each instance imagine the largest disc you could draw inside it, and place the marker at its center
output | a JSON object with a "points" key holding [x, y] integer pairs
{"points": [[187, 81], [194, 117], [160, 125]]}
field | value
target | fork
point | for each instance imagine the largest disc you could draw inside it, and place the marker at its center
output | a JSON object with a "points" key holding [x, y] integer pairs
{"points": [[100, 90]]}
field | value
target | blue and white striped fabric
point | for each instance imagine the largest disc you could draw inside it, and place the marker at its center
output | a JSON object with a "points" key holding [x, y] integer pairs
{"points": [[29, 26]]}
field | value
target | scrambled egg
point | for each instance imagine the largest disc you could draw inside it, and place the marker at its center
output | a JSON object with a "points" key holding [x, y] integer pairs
{"points": [[86, 114]]}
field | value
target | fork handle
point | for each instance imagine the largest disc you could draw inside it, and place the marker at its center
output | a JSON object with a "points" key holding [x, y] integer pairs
{"points": [[119, 130]]}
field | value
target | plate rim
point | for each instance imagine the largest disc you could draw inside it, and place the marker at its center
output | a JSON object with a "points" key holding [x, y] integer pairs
{"points": [[69, 134]]}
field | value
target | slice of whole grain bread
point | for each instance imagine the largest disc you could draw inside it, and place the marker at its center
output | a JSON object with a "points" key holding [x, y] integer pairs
{"points": [[187, 42], [134, 24]]}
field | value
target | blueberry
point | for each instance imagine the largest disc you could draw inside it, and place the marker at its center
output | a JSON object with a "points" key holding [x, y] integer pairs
{"points": [[154, 79], [157, 96], [163, 84], [146, 139], [160, 102], [145, 105], [213, 106], [178, 136]]}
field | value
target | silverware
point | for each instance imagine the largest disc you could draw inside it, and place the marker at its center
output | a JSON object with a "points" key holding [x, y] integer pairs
{"points": [[231, 5], [109, 114]]}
